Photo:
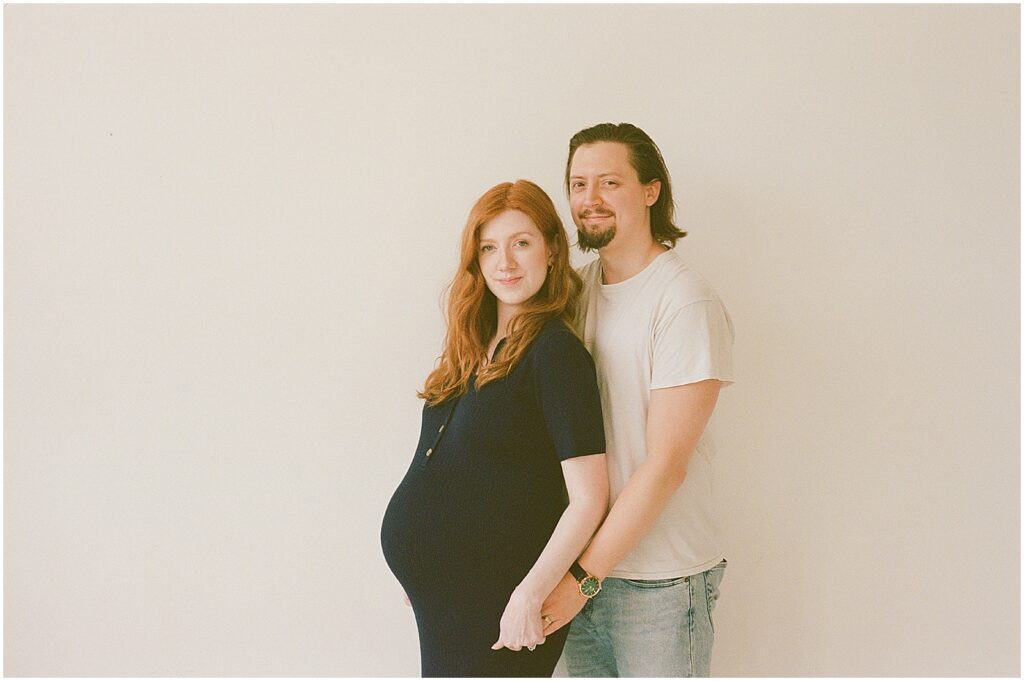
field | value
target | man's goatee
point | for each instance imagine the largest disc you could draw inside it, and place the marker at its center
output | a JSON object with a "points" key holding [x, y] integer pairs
{"points": [[588, 242]]}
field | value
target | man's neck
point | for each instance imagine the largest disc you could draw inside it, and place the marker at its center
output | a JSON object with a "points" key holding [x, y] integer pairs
{"points": [[620, 264]]}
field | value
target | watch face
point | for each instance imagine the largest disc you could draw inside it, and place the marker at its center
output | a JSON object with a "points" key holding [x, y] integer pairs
{"points": [[590, 586]]}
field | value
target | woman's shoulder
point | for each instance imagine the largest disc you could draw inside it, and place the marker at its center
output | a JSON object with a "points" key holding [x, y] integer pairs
{"points": [[557, 339], [560, 362], [555, 328]]}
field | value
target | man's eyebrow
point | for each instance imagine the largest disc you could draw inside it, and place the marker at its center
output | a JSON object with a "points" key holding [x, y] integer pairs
{"points": [[607, 174]]}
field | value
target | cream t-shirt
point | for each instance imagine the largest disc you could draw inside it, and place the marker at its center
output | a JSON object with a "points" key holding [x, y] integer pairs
{"points": [[663, 327]]}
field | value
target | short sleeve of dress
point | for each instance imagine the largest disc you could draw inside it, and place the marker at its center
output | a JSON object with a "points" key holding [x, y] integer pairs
{"points": [[693, 343], [566, 385]]}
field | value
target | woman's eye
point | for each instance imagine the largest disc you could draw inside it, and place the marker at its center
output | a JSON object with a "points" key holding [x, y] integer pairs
{"points": [[486, 249], [522, 243]]}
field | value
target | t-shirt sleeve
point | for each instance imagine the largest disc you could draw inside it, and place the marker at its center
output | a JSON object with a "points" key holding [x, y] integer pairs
{"points": [[693, 343], [566, 385]]}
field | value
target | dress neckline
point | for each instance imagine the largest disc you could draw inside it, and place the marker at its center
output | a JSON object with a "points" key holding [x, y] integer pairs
{"points": [[497, 350]]}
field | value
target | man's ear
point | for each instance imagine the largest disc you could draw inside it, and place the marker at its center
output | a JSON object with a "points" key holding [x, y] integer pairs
{"points": [[651, 192]]}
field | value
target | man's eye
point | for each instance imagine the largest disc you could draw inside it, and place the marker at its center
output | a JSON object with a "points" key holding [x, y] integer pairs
{"points": [[575, 186]]}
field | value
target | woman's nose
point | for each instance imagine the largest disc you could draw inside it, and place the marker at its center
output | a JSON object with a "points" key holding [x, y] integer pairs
{"points": [[505, 259]]}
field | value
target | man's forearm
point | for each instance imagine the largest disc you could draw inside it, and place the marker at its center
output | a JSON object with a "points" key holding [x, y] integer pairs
{"points": [[632, 516], [676, 417]]}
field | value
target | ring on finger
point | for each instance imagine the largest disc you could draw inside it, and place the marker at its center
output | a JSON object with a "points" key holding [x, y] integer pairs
{"points": [[547, 619]]}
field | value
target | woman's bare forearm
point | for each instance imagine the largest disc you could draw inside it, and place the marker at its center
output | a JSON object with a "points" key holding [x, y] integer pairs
{"points": [[574, 530], [588, 502]]}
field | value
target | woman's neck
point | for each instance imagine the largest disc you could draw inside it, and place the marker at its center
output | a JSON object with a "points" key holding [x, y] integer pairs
{"points": [[505, 314]]}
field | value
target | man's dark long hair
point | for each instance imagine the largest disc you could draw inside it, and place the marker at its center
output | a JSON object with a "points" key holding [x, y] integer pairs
{"points": [[645, 157]]}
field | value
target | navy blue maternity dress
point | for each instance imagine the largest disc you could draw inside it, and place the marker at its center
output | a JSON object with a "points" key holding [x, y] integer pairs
{"points": [[481, 499]]}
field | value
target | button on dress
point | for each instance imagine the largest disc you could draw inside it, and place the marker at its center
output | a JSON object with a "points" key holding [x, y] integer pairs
{"points": [[481, 498]]}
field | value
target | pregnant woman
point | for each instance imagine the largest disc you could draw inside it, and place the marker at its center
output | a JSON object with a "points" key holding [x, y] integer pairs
{"points": [[508, 481]]}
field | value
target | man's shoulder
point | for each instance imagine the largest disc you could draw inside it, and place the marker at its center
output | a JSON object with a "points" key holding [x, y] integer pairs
{"points": [[589, 272], [672, 283], [679, 285]]}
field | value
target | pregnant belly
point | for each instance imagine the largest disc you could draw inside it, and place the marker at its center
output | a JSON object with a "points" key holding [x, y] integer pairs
{"points": [[451, 540]]}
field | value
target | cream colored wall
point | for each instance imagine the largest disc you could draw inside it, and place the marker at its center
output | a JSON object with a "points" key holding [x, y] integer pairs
{"points": [[226, 233]]}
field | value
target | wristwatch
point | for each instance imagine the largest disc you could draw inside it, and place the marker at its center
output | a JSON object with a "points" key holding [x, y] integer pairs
{"points": [[589, 585]]}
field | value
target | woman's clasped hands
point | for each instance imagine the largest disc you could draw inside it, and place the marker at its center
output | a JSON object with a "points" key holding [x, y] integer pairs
{"points": [[522, 625]]}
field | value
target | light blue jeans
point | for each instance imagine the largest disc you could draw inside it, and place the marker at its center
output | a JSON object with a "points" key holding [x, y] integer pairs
{"points": [[645, 628]]}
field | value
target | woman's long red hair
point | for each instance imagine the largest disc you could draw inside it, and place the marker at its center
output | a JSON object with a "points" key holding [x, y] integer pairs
{"points": [[472, 311]]}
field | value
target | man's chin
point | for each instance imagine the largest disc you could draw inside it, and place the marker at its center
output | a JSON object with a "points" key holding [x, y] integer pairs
{"points": [[588, 241]]}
